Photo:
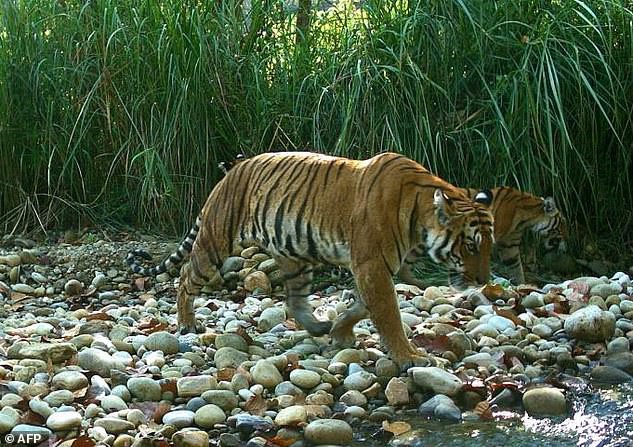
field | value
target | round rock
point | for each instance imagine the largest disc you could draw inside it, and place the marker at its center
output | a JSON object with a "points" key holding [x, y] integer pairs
{"points": [[544, 401], [69, 380], [162, 341], [63, 420], [328, 432], [144, 388], [266, 373], [179, 418], [209, 415], [304, 378], [590, 324]]}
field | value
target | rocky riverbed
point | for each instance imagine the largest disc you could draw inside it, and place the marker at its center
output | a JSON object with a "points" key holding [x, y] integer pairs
{"points": [[89, 354]]}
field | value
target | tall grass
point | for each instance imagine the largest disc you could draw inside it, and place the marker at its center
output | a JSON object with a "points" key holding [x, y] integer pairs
{"points": [[118, 112]]}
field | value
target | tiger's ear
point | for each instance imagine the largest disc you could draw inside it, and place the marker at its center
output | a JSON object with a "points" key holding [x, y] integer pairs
{"points": [[442, 206], [484, 197], [549, 205]]}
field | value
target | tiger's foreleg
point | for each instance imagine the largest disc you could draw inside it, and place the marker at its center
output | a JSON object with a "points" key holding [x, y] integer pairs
{"points": [[195, 274], [298, 280], [374, 283]]}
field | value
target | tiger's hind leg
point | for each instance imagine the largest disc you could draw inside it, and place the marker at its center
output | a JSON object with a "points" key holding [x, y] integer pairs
{"points": [[298, 280], [342, 332], [195, 274]]}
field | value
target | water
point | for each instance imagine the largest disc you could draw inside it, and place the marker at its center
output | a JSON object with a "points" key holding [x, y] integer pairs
{"points": [[600, 417]]}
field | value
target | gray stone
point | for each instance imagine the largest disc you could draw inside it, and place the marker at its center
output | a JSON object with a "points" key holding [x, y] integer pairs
{"points": [[64, 420], [304, 378], [604, 290], [442, 407], [232, 341], [397, 392], [99, 361], [144, 388], [619, 344], [292, 415], [437, 380], [69, 380], [112, 403], [266, 373], [28, 429], [225, 399], [195, 385], [55, 352], [209, 415], [360, 381], [609, 374], [162, 341], [59, 397], [328, 432], [229, 358], [114, 425], [544, 401], [179, 418], [232, 264], [621, 360], [270, 318], [590, 323], [190, 438], [533, 300]]}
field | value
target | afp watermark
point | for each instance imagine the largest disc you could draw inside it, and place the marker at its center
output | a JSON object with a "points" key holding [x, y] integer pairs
{"points": [[22, 438]]}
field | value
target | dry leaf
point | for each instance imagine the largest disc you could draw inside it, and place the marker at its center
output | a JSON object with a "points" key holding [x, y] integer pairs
{"points": [[83, 441], [483, 410], [509, 314], [226, 374], [101, 316], [242, 333], [169, 386], [397, 428], [16, 297], [256, 405], [139, 283], [438, 344], [280, 442], [492, 291]]}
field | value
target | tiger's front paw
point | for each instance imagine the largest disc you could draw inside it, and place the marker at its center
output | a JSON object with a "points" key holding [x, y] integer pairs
{"points": [[189, 326]]}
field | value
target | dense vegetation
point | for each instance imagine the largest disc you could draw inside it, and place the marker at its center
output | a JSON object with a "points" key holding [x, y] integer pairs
{"points": [[118, 112]]}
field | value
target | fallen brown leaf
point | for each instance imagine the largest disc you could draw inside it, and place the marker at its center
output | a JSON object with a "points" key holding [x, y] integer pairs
{"points": [[256, 405], [483, 410], [83, 441], [509, 314], [397, 427], [492, 291]]}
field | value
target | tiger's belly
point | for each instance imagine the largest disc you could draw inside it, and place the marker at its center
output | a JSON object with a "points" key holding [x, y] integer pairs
{"points": [[311, 250]]}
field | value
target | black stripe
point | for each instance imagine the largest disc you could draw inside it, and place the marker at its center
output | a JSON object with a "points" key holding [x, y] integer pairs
{"points": [[312, 247]]}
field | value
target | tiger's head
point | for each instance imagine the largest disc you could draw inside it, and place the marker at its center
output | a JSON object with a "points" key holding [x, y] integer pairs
{"points": [[551, 226], [463, 236]]}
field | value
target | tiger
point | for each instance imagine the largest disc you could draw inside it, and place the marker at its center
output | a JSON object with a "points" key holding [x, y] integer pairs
{"points": [[307, 209], [515, 212]]}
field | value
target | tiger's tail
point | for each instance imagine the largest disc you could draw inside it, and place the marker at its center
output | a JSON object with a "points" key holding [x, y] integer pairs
{"points": [[173, 260]]}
